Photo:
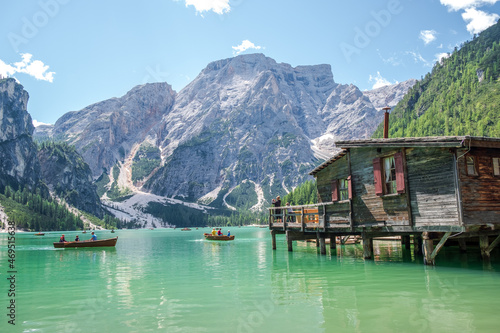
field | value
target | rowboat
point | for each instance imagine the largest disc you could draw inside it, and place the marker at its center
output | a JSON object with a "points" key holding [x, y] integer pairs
{"points": [[218, 238], [87, 243], [39, 234], [185, 229]]}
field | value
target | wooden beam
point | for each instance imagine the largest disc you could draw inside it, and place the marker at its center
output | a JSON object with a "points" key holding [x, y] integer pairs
{"points": [[273, 237], [289, 240], [440, 245], [493, 244], [428, 246], [322, 244], [483, 245], [367, 246], [333, 241]]}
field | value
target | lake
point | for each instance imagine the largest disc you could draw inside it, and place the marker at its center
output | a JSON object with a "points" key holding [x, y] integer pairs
{"points": [[167, 280]]}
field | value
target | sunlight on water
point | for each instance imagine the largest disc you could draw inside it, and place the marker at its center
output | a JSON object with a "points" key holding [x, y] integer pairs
{"points": [[173, 281]]}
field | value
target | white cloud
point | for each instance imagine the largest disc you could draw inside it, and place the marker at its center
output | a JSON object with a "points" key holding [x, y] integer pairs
{"points": [[217, 6], [465, 4], [35, 68], [428, 36], [441, 56], [37, 123], [379, 81], [245, 45], [478, 20]]}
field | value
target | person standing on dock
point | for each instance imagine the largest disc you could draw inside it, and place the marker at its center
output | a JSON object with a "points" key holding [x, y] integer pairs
{"points": [[277, 203]]}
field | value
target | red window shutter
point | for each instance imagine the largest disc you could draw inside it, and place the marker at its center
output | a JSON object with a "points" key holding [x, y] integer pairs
{"points": [[335, 191], [349, 187], [400, 172], [377, 176]]}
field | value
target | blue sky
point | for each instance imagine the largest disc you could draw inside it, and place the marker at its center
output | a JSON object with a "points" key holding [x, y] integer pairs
{"points": [[69, 53]]}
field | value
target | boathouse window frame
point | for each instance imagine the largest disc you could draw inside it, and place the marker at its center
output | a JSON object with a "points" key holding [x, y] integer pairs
{"points": [[341, 189], [389, 182], [495, 164], [471, 166]]}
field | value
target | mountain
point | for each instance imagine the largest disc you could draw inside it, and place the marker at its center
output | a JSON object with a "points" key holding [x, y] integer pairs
{"points": [[24, 168], [460, 96], [244, 121], [66, 173], [19, 164]]}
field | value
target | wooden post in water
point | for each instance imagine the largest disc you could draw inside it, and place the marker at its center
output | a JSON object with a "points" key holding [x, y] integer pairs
{"points": [[462, 245], [417, 245], [483, 245], [428, 247], [273, 237], [406, 242], [367, 246], [289, 240], [322, 244], [333, 242]]}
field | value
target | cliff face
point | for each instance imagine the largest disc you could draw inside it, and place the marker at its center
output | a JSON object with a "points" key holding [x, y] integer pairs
{"points": [[18, 160], [105, 132], [66, 173]]}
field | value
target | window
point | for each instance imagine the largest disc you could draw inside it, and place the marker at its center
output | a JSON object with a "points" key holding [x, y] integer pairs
{"points": [[341, 189], [470, 163], [496, 166], [388, 174]]}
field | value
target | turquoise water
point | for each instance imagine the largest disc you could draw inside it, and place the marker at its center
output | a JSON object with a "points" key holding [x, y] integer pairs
{"points": [[175, 281]]}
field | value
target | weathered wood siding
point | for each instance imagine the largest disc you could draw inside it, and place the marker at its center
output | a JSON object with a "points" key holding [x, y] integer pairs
{"points": [[481, 193], [324, 178], [431, 180], [368, 208]]}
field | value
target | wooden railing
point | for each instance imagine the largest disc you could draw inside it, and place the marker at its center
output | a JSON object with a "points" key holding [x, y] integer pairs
{"points": [[303, 217]]}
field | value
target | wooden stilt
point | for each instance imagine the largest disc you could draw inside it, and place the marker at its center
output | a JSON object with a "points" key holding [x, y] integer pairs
{"points": [[289, 240], [483, 245], [333, 242], [428, 247], [406, 242], [417, 245], [462, 245], [273, 237], [494, 243], [322, 244], [367, 246], [317, 239]]}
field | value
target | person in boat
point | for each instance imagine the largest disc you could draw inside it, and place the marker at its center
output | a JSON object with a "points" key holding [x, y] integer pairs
{"points": [[219, 232], [62, 239], [228, 233], [214, 232], [77, 239], [94, 237]]}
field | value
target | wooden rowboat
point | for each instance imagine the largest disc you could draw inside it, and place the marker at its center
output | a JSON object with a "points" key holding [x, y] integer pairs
{"points": [[39, 234], [87, 243], [185, 229], [218, 238]]}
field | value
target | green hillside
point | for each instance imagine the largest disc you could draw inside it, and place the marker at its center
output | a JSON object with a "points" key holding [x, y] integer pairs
{"points": [[460, 96]]}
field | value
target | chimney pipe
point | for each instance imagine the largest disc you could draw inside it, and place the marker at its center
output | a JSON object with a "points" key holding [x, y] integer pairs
{"points": [[386, 122]]}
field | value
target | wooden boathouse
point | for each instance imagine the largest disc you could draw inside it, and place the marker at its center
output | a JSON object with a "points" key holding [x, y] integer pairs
{"points": [[435, 189]]}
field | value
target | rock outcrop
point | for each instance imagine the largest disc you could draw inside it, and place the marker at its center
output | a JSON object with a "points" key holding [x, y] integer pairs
{"points": [[18, 160]]}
